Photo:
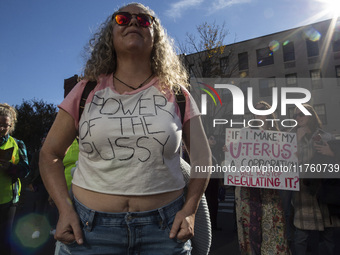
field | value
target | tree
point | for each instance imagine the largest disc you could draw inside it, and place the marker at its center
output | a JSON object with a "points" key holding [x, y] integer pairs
{"points": [[206, 56], [35, 118]]}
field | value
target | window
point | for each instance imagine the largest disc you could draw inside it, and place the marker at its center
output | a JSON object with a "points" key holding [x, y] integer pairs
{"points": [[291, 80], [264, 57], [266, 87], [224, 62], [337, 70], [288, 52], [337, 74], [206, 68], [315, 76], [320, 109], [336, 45], [312, 48], [243, 61]]}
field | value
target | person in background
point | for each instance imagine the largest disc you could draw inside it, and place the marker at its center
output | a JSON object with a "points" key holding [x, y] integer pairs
{"points": [[13, 165], [70, 161], [311, 213], [37, 193], [128, 185], [260, 218]]}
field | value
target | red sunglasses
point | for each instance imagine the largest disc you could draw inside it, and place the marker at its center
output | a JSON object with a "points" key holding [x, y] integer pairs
{"points": [[124, 18]]}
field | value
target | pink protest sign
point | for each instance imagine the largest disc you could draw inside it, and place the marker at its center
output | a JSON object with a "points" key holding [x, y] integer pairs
{"points": [[261, 158]]}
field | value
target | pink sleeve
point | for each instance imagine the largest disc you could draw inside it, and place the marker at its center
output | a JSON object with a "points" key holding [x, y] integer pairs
{"points": [[191, 109], [72, 101]]}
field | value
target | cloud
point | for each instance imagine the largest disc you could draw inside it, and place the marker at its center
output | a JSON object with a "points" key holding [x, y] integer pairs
{"points": [[177, 8], [221, 4]]}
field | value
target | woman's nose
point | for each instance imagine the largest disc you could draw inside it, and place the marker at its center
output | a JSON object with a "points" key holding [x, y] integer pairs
{"points": [[134, 21]]}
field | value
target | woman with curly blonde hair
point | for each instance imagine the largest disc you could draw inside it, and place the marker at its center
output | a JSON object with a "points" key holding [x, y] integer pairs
{"points": [[128, 185], [165, 64], [13, 165]]}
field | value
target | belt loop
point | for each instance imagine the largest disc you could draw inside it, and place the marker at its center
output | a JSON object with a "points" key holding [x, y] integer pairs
{"points": [[89, 222], [161, 213], [163, 217]]}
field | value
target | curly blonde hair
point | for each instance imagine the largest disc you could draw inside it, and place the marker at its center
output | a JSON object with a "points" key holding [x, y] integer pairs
{"points": [[9, 111], [165, 63]]}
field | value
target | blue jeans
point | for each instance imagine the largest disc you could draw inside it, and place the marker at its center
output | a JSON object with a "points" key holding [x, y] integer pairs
{"points": [[143, 233]]}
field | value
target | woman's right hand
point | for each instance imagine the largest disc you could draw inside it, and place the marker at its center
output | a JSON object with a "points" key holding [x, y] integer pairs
{"points": [[324, 149], [68, 228]]}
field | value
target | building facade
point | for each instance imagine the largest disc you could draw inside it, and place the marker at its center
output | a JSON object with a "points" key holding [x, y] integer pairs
{"points": [[306, 57]]}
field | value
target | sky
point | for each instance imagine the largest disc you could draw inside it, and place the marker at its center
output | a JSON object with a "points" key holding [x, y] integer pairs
{"points": [[42, 41]]}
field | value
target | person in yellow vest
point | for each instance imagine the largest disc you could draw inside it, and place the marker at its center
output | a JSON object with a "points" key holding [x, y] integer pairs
{"points": [[13, 165], [69, 162]]}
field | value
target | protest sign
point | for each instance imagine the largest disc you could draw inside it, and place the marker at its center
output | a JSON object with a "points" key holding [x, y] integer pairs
{"points": [[261, 158]]}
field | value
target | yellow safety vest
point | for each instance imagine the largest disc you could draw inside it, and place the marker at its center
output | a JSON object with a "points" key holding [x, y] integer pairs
{"points": [[6, 184], [70, 160]]}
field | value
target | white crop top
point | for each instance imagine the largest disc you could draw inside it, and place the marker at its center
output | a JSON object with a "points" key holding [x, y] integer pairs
{"points": [[129, 143]]}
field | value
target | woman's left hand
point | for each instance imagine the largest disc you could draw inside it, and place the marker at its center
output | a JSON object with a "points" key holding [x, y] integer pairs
{"points": [[324, 149], [183, 226]]}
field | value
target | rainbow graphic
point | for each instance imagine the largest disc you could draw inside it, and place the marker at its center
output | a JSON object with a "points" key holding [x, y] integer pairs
{"points": [[209, 93]]}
